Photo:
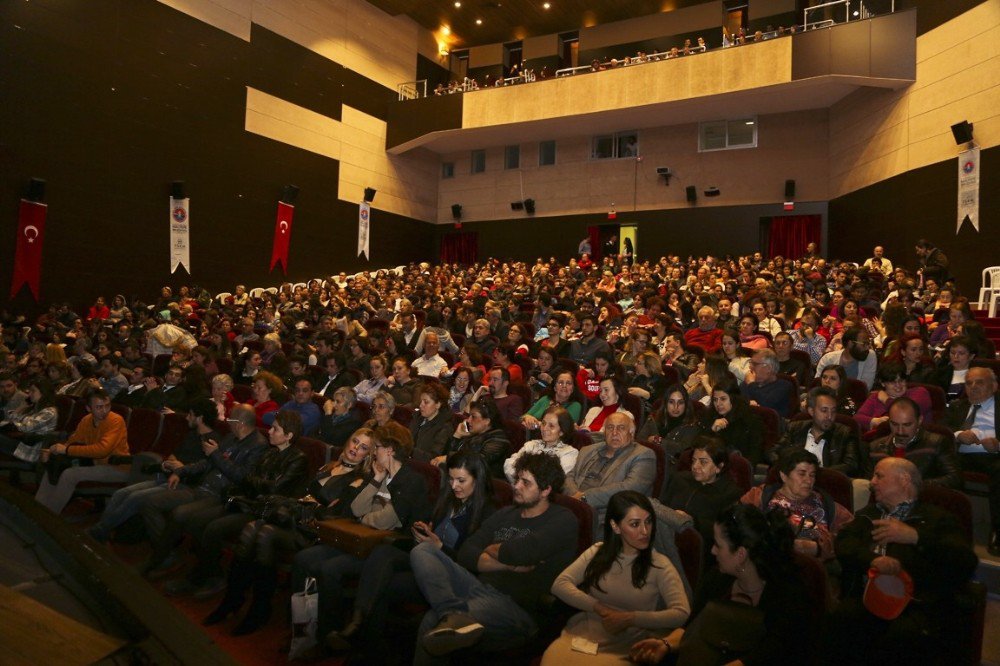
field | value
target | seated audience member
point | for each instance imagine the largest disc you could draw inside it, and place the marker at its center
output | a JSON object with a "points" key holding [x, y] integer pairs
{"points": [[171, 396], [737, 358], [99, 438], [933, 454], [875, 410], [705, 490], [393, 498], [430, 364], [973, 419], [897, 534], [616, 463], [387, 578], [434, 324], [127, 502], [707, 335], [755, 568], [768, 389], [673, 353], [461, 393], [431, 426], [856, 357], [340, 418], [834, 444], [626, 591], [562, 393], [336, 375], [511, 406], [911, 353], [673, 426], [301, 402], [32, 422], [557, 430], [382, 409], [358, 358], [111, 379], [400, 384], [834, 377], [647, 382], [951, 377], [610, 396], [747, 328], [265, 388], [558, 345], [248, 365], [732, 419], [482, 338], [220, 389], [589, 378], [788, 364], [814, 516], [481, 433], [583, 350], [540, 377], [490, 597], [366, 389], [806, 336]]}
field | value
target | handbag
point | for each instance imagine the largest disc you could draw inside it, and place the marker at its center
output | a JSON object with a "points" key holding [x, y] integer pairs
{"points": [[28, 453], [352, 537], [305, 614], [722, 631]]}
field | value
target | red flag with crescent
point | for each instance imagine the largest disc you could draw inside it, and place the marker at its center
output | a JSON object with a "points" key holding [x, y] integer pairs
{"points": [[282, 236], [28, 255]]}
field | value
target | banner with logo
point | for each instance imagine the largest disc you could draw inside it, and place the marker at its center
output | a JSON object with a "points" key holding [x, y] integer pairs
{"points": [[28, 252], [179, 230], [282, 236], [968, 188], [364, 226]]}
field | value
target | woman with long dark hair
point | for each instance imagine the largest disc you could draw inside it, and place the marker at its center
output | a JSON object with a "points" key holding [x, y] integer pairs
{"points": [[626, 590], [731, 419], [387, 579], [673, 425], [33, 421]]}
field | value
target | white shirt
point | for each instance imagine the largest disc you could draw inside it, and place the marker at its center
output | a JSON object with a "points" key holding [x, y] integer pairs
{"points": [[429, 367], [815, 446], [985, 426]]}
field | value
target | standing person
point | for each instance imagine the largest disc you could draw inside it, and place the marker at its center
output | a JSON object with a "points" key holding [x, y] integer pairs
{"points": [[626, 590], [490, 595], [933, 262]]}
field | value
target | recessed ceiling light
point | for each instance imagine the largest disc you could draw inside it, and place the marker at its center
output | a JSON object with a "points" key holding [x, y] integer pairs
{"points": [[479, 21], [546, 5], [458, 5], [445, 30]]}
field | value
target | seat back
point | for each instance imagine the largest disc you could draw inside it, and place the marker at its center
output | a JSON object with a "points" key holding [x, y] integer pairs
{"points": [[65, 406], [689, 545], [503, 493], [316, 453], [123, 411], [143, 429], [431, 474], [515, 433], [661, 467], [953, 501], [581, 438], [242, 393], [173, 429], [584, 518], [772, 426], [939, 399]]}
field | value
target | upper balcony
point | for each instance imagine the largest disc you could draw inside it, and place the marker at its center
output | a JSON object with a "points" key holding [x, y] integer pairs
{"points": [[806, 70]]}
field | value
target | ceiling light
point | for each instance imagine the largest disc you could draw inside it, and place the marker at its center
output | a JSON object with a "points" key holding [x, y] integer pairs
{"points": [[445, 30], [479, 21], [749, 122], [458, 5], [546, 5]]}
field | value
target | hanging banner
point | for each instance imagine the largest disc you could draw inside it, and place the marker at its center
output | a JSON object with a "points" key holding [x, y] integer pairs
{"points": [[968, 188], [28, 252], [364, 226], [282, 236], [179, 229]]}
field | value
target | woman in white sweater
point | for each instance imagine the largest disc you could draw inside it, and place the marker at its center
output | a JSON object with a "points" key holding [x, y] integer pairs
{"points": [[625, 589], [557, 430]]}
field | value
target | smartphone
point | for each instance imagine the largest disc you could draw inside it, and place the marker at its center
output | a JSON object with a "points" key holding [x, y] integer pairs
{"points": [[465, 424]]}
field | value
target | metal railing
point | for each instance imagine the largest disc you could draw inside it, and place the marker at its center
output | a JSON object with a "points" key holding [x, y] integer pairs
{"points": [[825, 15], [412, 89]]}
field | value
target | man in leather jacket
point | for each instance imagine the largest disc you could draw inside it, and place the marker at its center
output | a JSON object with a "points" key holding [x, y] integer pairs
{"points": [[933, 454], [835, 444]]}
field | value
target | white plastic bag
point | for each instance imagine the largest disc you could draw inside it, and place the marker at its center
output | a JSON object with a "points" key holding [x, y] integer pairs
{"points": [[305, 612]]}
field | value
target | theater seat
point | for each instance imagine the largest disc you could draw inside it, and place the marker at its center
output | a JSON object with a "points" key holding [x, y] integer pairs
{"points": [[584, 517]]}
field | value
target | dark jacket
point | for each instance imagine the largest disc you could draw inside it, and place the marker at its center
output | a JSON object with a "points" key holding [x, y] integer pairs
{"points": [[335, 431], [431, 437], [228, 466], [277, 473], [701, 501], [933, 454], [493, 445], [745, 432], [175, 398], [840, 446]]}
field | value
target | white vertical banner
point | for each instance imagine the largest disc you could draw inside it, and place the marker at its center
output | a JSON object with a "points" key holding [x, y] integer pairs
{"points": [[968, 188], [179, 228], [364, 226]]}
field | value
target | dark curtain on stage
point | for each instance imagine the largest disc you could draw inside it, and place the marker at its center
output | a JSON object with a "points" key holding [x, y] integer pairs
{"points": [[790, 234], [460, 247]]}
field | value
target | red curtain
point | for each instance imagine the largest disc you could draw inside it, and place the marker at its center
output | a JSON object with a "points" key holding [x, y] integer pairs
{"points": [[790, 234], [595, 242], [460, 247]]}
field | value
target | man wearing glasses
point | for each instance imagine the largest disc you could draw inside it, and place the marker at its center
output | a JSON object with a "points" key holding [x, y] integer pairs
{"points": [[856, 357]]}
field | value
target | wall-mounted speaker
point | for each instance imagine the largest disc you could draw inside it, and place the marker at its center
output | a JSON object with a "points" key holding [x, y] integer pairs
{"points": [[529, 206], [456, 211], [692, 193], [789, 190], [289, 194], [962, 132], [369, 194], [517, 205]]}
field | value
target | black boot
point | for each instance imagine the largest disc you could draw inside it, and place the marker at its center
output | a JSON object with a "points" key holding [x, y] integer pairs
{"points": [[242, 574], [343, 640], [264, 586]]}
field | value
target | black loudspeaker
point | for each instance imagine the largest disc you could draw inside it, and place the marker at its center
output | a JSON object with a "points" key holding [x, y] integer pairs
{"points": [[692, 193], [517, 205], [369, 194], [789, 190], [529, 206], [962, 132], [456, 211], [36, 189], [177, 189], [289, 194]]}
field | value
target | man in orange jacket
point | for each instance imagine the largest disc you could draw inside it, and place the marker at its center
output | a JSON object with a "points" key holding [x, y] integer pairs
{"points": [[100, 435]]}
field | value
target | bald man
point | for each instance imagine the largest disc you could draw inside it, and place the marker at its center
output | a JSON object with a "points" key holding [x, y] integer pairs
{"points": [[900, 533], [879, 253]]}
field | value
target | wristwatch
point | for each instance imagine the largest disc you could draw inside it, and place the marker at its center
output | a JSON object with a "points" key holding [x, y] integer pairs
{"points": [[583, 498]]}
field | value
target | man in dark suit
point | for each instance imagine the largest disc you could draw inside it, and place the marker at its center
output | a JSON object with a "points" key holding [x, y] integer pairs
{"points": [[834, 444], [933, 454], [336, 375], [973, 419], [171, 395]]}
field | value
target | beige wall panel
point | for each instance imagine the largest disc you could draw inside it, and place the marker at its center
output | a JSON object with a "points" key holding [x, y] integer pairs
{"points": [[428, 47], [956, 59], [484, 56], [981, 105], [959, 29], [762, 8], [880, 144], [232, 16], [283, 121], [700, 17], [979, 77], [540, 47], [717, 72], [863, 131]]}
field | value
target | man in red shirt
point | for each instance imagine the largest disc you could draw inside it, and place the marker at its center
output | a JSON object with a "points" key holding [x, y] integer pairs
{"points": [[708, 336]]}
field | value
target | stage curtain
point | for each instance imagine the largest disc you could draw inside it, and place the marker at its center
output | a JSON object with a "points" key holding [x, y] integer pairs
{"points": [[460, 247], [790, 234]]}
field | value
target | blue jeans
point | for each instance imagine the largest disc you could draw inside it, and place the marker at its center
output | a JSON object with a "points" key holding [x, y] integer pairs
{"points": [[450, 588], [126, 503]]}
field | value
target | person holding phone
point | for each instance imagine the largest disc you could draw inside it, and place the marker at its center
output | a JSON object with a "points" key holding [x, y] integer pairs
{"points": [[387, 579]]}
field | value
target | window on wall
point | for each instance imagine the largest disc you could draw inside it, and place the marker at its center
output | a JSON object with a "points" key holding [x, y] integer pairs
{"points": [[546, 153], [613, 146], [447, 169], [727, 134], [478, 161], [512, 157]]}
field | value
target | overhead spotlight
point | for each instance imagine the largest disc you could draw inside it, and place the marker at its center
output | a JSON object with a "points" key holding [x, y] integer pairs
{"points": [[479, 21], [962, 132], [369, 194], [458, 5], [546, 5]]}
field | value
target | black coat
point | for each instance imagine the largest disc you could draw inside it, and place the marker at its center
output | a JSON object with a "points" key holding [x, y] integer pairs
{"points": [[840, 448]]}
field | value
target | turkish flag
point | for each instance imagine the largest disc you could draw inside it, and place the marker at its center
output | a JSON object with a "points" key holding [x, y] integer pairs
{"points": [[282, 236], [28, 255]]}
